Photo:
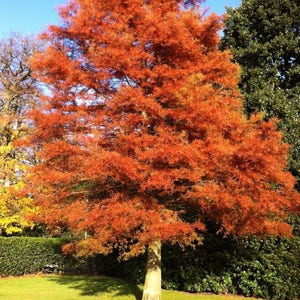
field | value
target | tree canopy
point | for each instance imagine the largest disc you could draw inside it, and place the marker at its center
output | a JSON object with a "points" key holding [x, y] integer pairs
{"points": [[18, 94], [141, 137], [264, 37]]}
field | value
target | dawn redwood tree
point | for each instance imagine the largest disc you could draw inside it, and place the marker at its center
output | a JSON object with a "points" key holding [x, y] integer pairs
{"points": [[141, 137]]}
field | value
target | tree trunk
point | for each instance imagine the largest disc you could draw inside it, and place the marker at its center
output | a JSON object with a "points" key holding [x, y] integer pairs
{"points": [[152, 287]]}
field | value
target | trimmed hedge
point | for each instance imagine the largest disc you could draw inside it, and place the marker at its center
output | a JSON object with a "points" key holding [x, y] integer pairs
{"points": [[27, 255]]}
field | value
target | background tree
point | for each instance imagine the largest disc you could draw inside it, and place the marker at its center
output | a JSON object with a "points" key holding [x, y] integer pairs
{"points": [[18, 94], [264, 37], [142, 139]]}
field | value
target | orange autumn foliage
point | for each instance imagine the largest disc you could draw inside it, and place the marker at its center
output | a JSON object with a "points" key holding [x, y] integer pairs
{"points": [[142, 136]]}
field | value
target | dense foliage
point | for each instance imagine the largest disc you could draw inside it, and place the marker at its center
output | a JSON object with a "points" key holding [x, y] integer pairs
{"points": [[268, 269], [264, 36], [142, 137], [28, 255]]}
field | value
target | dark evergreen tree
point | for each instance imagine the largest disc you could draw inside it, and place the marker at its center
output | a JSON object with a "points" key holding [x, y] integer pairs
{"points": [[264, 36]]}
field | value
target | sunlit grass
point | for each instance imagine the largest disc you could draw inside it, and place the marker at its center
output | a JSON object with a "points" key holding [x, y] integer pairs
{"points": [[65, 288], [82, 287]]}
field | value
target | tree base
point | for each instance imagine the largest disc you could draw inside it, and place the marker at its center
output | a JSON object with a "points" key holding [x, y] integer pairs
{"points": [[152, 295]]}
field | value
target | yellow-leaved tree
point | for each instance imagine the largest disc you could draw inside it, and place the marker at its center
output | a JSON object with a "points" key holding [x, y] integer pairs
{"points": [[18, 94]]}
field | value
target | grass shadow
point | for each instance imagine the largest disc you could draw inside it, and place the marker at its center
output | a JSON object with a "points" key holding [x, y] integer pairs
{"points": [[137, 292], [89, 285]]}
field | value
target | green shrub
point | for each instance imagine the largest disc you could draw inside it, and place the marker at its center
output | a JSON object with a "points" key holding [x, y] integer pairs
{"points": [[26, 255], [268, 268]]}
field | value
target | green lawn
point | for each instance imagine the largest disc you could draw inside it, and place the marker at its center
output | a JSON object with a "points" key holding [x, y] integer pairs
{"points": [[81, 287]]}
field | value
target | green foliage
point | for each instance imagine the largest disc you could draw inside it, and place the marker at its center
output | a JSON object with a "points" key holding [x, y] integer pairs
{"points": [[264, 36], [268, 268], [25, 255]]}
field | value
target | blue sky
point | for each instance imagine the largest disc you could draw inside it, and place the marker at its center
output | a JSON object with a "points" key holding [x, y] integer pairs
{"points": [[33, 16]]}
